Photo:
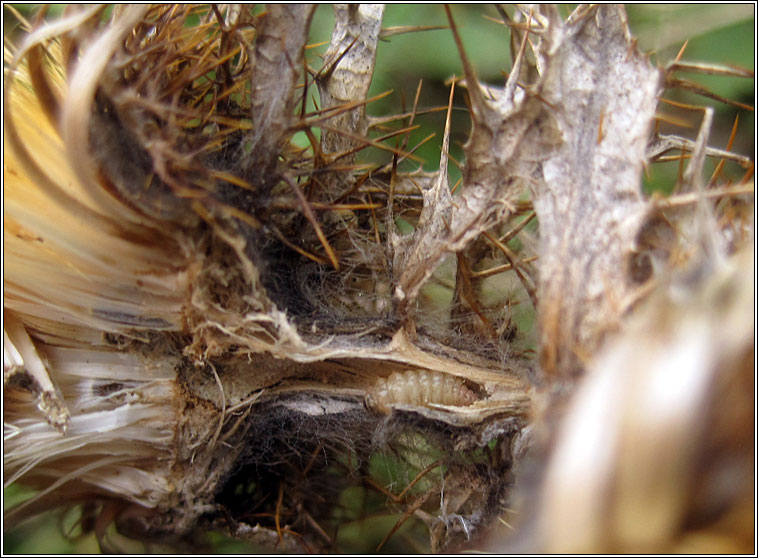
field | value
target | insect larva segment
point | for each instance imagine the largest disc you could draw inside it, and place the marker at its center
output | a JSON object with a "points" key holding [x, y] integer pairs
{"points": [[422, 388]]}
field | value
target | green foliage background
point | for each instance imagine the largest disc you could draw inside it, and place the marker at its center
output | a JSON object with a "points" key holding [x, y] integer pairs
{"points": [[721, 34]]}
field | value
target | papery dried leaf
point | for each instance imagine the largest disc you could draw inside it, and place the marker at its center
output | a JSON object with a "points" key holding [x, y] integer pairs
{"points": [[507, 139], [277, 62], [587, 194], [348, 69]]}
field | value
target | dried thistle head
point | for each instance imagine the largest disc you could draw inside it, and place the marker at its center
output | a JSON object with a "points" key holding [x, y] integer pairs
{"points": [[210, 325], [232, 287]]}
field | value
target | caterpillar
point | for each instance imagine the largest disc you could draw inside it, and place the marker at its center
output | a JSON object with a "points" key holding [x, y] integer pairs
{"points": [[422, 388]]}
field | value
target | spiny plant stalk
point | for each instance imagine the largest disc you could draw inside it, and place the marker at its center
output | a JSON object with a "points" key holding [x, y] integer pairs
{"points": [[234, 301]]}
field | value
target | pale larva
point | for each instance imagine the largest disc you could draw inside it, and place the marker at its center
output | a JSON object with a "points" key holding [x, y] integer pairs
{"points": [[422, 388]]}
